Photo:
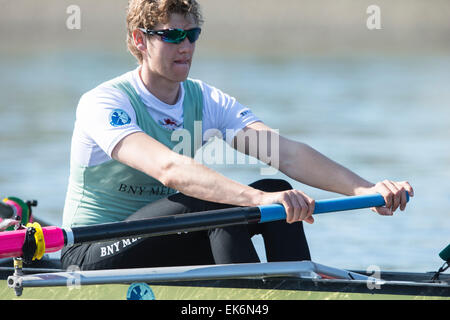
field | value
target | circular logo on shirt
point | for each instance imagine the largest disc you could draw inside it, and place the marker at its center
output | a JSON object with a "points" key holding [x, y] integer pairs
{"points": [[118, 118], [140, 291]]}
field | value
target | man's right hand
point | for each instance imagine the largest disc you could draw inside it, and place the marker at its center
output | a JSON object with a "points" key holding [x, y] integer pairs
{"points": [[298, 205]]}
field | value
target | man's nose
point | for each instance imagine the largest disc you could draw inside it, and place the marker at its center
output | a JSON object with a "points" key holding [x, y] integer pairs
{"points": [[186, 46]]}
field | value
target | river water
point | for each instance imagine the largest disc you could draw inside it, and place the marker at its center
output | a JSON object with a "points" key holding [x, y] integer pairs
{"points": [[382, 117]]}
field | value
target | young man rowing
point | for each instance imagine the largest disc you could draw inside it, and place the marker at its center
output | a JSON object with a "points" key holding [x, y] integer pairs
{"points": [[123, 165]]}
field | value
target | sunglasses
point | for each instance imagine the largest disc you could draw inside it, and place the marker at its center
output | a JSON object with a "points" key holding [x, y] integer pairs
{"points": [[175, 35]]}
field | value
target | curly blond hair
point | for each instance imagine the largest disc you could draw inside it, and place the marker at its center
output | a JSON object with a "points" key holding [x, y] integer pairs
{"points": [[148, 13]]}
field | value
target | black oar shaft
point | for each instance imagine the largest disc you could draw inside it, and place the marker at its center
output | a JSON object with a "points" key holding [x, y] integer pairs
{"points": [[166, 225], [11, 243], [205, 220]]}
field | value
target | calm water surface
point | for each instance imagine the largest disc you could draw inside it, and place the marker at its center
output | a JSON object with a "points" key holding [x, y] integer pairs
{"points": [[384, 118]]}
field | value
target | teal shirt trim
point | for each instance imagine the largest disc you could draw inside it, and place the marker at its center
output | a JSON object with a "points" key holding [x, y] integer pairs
{"points": [[112, 191]]}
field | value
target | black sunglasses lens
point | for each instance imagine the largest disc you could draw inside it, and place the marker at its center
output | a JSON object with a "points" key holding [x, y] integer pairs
{"points": [[178, 35], [173, 35], [193, 34]]}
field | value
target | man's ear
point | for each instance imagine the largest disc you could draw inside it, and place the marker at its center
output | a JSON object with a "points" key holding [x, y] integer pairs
{"points": [[139, 40]]}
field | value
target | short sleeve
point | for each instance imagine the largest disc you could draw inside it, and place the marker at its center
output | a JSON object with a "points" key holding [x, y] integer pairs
{"points": [[224, 113], [106, 116]]}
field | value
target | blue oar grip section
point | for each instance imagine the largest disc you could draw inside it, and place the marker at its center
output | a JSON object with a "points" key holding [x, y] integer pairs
{"points": [[272, 212], [275, 212]]}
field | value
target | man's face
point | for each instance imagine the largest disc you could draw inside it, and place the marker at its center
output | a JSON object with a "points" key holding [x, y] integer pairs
{"points": [[169, 60]]}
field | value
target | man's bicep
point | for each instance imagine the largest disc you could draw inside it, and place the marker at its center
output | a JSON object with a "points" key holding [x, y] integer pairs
{"points": [[141, 152]]}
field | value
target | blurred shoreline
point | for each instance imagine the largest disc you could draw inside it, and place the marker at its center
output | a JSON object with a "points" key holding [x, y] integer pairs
{"points": [[250, 27]]}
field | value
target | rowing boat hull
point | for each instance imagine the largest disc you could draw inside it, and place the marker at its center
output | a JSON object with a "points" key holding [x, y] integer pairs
{"points": [[119, 292], [261, 281], [401, 286]]}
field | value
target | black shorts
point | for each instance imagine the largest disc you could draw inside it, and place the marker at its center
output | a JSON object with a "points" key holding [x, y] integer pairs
{"points": [[282, 241]]}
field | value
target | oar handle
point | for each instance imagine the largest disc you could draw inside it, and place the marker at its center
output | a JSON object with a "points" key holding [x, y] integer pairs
{"points": [[275, 212]]}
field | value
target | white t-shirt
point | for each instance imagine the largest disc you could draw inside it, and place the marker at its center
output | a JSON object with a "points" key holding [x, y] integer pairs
{"points": [[95, 135]]}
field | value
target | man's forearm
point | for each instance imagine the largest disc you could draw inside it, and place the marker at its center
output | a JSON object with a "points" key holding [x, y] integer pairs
{"points": [[198, 181], [298, 160], [308, 166]]}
